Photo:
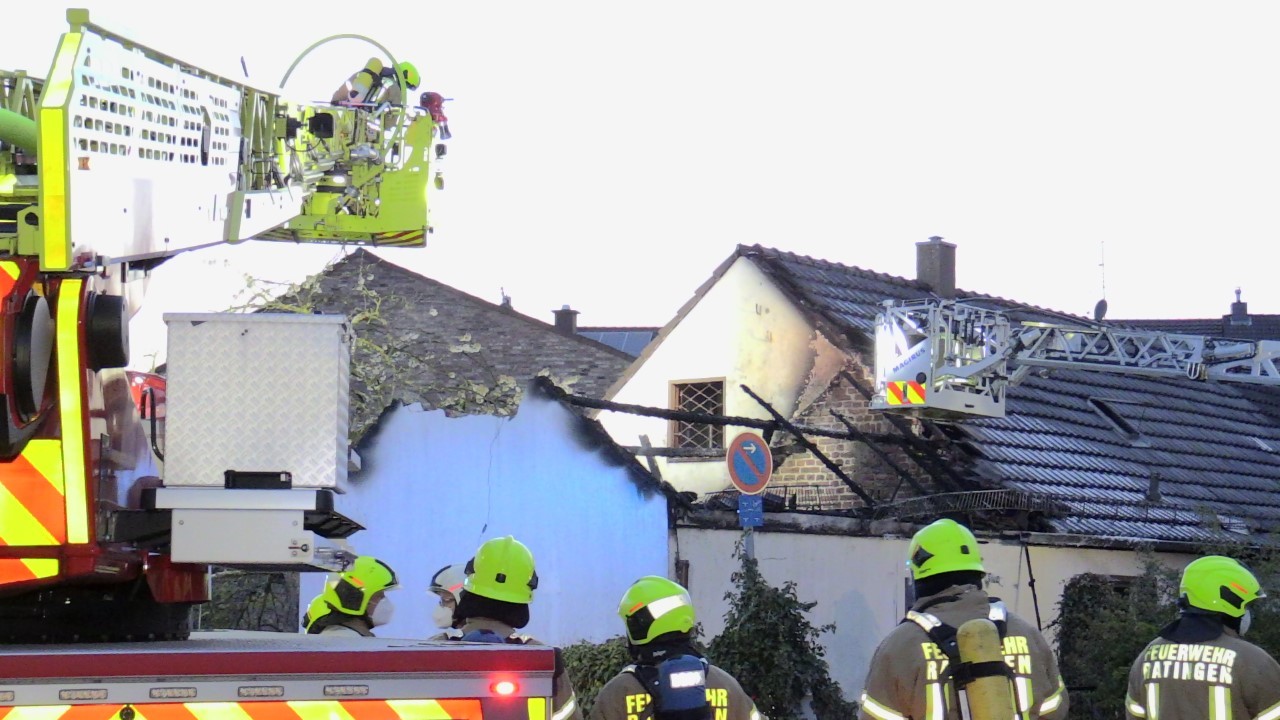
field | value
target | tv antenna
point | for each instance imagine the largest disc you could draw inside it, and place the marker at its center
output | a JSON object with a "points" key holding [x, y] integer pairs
{"points": [[1100, 310]]}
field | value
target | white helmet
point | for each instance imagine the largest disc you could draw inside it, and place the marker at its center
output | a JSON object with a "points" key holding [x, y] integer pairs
{"points": [[449, 579]]}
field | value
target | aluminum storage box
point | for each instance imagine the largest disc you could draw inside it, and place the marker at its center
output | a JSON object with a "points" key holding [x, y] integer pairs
{"points": [[261, 392]]}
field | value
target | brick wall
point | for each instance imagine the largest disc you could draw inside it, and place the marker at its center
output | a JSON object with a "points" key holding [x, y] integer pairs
{"points": [[812, 484]]}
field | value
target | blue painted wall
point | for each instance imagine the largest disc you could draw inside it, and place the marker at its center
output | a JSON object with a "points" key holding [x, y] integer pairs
{"points": [[433, 488]]}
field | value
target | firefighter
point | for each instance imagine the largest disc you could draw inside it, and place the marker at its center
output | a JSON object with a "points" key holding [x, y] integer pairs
{"points": [[670, 679], [446, 584], [494, 603], [374, 84], [911, 673], [1199, 666], [356, 603]]}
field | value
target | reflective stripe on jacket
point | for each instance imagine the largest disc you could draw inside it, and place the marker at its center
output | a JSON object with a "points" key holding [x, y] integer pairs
{"points": [[625, 698], [910, 675], [1227, 678]]}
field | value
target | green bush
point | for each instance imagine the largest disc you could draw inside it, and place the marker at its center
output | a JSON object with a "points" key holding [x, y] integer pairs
{"points": [[767, 644], [250, 601], [591, 666], [772, 649]]}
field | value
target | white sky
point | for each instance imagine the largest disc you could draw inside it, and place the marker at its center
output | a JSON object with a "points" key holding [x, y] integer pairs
{"points": [[610, 155]]}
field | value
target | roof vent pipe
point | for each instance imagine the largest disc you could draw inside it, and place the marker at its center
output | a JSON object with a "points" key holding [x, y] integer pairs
{"points": [[1153, 487]]}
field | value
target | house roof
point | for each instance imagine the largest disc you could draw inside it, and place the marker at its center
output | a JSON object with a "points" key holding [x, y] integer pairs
{"points": [[630, 340], [1250, 327], [453, 351], [1238, 324], [1126, 456]]}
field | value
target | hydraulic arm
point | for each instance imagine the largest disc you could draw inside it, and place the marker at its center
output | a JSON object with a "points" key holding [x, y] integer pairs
{"points": [[948, 360], [121, 157]]}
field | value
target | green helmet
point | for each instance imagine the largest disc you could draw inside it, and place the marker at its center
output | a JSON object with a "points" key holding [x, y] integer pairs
{"points": [[943, 546], [1219, 584], [502, 570], [654, 606], [316, 610], [357, 585], [409, 73]]}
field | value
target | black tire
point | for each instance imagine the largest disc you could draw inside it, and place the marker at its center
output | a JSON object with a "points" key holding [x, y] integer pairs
{"points": [[108, 331]]}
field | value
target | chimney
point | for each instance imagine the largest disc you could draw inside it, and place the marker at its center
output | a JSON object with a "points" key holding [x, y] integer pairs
{"points": [[1240, 312], [936, 266], [566, 320]]}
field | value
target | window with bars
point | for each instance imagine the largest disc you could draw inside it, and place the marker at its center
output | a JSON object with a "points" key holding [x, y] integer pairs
{"points": [[703, 397]]}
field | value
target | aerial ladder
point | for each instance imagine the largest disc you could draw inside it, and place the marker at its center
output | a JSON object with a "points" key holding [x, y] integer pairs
{"points": [[120, 158], [949, 360]]}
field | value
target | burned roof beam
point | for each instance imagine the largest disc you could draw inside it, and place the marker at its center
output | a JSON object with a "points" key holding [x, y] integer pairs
{"points": [[811, 447], [919, 451], [710, 453], [880, 453], [706, 418]]}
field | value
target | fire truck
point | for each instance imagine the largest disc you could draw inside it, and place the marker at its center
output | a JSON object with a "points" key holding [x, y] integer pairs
{"points": [[119, 490], [948, 360]]}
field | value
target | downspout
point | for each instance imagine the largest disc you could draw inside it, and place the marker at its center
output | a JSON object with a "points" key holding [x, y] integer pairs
{"points": [[18, 130]]}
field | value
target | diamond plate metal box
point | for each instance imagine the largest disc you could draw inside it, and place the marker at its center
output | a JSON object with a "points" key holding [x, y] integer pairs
{"points": [[260, 392]]}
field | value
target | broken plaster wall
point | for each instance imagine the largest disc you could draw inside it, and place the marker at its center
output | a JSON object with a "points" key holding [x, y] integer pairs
{"points": [[433, 488]]}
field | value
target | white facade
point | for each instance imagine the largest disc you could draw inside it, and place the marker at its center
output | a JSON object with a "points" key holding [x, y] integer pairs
{"points": [[743, 330], [433, 488], [859, 583]]}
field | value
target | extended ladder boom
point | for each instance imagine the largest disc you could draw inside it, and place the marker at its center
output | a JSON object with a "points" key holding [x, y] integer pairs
{"points": [[121, 157], [948, 360], [134, 155]]}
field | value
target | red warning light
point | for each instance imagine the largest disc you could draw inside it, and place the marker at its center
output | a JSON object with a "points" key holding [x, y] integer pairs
{"points": [[504, 687]]}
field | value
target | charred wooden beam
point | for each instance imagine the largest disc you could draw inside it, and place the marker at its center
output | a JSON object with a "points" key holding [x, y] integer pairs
{"points": [[695, 417], [917, 449], [811, 447], [880, 453], [645, 450]]}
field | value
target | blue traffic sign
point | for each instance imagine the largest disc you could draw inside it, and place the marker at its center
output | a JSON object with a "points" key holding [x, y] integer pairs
{"points": [[751, 510], [750, 463]]}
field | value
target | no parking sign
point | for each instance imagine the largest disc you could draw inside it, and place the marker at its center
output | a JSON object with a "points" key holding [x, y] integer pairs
{"points": [[750, 467], [750, 463]]}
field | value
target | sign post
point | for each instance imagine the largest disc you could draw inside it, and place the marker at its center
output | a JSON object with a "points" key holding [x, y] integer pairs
{"points": [[750, 467]]}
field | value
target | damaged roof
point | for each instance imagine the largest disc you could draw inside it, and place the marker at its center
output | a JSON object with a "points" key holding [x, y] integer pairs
{"points": [[444, 348], [1126, 456]]}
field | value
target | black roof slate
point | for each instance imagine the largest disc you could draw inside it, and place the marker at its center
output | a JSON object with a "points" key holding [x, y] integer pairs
{"points": [[1197, 470]]}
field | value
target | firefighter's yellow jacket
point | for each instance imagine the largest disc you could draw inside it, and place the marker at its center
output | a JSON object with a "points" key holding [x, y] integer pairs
{"points": [[625, 698], [1226, 678], [910, 678]]}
